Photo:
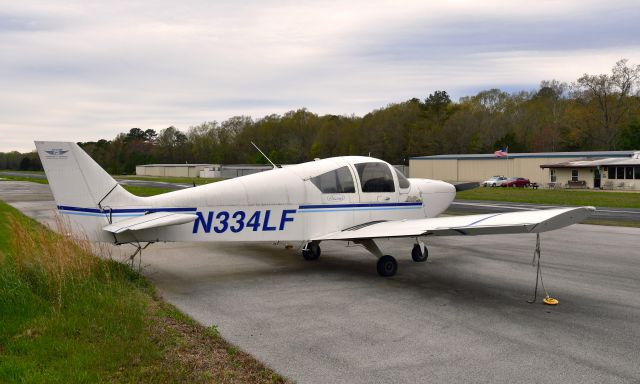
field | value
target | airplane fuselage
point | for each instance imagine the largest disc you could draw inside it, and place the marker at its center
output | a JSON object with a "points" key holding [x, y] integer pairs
{"points": [[294, 203]]}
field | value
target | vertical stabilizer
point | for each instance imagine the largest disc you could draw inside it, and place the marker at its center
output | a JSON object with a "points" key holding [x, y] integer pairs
{"points": [[83, 191], [75, 178]]}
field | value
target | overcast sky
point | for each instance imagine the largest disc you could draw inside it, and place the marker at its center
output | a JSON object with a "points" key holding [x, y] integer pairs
{"points": [[87, 70]]}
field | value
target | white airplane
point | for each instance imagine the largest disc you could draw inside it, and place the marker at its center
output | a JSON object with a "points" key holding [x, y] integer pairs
{"points": [[351, 198]]}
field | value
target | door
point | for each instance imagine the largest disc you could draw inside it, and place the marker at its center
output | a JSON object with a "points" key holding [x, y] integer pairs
{"points": [[376, 183], [596, 178]]}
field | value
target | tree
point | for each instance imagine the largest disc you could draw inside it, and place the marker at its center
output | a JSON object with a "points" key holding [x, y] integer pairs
{"points": [[607, 103], [630, 137], [135, 134]]}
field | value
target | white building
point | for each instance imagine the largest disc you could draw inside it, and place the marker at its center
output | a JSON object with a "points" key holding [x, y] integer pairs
{"points": [[607, 173], [171, 170], [478, 167]]}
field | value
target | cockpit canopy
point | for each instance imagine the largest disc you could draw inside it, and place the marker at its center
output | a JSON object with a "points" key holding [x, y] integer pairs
{"points": [[374, 176]]}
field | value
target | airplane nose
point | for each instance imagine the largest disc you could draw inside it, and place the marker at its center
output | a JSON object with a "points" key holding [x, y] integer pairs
{"points": [[437, 196]]}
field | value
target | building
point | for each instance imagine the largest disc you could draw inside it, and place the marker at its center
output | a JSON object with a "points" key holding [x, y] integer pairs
{"points": [[230, 171], [209, 171], [607, 173], [171, 170], [478, 167]]}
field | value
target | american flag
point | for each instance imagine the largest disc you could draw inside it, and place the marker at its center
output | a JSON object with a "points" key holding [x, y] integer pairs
{"points": [[502, 152]]}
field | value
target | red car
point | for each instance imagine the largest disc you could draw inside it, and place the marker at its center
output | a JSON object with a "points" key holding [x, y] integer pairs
{"points": [[516, 182]]}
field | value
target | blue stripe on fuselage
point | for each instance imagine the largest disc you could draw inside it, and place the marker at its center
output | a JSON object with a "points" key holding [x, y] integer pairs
{"points": [[323, 207]]}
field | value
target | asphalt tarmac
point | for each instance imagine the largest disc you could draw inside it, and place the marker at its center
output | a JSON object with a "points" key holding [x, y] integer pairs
{"points": [[460, 317], [480, 206], [139, 183]]}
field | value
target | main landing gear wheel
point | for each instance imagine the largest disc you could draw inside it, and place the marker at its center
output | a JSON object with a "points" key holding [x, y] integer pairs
{"points": [[417, 253], [312, 252], [387, 266]]}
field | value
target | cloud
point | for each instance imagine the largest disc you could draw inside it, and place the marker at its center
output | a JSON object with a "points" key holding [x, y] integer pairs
{"points": [[86, 70]]}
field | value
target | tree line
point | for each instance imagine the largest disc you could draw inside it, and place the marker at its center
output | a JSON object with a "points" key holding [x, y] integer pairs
{"points": [[596, 112]]}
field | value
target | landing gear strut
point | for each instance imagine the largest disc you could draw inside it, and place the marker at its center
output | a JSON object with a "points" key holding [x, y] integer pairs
{"points": [[311, 251], [419, 253]]}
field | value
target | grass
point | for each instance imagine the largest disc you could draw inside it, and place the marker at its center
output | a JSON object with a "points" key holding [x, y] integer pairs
{"points": [[68, 316], [146, 191], [14, 170], [554, 197], [24, 178]]}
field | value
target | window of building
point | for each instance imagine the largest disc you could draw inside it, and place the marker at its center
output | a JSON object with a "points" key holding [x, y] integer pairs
{"points": [[336, 181], [628, 172], [574, 175], [375, 177], [552, 173], [636, 171], [620, 173], [403, 183], [612, 173]]}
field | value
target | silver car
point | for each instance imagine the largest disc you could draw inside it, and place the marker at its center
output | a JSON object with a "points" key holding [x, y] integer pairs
{"points": [[494, 181]]}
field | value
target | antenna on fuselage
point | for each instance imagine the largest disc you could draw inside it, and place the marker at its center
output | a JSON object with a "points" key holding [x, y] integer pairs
{"points": [[265, 156]]}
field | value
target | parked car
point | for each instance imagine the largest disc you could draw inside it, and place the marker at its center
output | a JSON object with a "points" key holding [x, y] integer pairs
{"points": [[520, 182], [492, 182]]}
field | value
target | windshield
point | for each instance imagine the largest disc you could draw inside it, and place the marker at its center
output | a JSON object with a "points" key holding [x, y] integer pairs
{"points": [[402, 180]]}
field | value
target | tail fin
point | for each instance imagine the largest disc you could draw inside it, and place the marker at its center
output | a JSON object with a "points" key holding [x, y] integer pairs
{"points": [[76, 180]]}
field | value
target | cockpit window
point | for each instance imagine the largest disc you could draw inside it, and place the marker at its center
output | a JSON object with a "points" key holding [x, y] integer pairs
{"points": [[375, 177], [336, 181], [402, 180]]}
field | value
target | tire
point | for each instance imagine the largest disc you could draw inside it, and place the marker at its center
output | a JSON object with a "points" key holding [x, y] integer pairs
{"points": [[312, 252], [417, 255], [387, 266]]}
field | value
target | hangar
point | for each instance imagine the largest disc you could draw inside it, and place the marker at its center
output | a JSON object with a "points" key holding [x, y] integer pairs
{"points": [[478, 167], [200, 170], [171, 170]]}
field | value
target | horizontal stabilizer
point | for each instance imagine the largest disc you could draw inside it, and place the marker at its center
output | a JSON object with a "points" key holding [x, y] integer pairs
{"points": [[489, 224], [152, 220]]}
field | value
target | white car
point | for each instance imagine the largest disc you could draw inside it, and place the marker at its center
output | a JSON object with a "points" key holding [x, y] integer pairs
{"points": [[494, 181]]}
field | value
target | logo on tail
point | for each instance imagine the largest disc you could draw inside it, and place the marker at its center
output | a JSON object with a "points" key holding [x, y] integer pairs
{"points": [[56, 153]]}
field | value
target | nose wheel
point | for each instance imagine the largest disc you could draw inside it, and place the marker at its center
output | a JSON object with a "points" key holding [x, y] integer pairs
{"points": [[419, 253]]}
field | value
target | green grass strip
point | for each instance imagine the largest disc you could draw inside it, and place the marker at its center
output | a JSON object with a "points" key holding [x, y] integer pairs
{"points": [[67, 316], [554, 197]]}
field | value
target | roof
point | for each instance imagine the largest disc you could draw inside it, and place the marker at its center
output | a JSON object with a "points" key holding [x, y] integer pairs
{"points": [[594, 163], [491, 156]]}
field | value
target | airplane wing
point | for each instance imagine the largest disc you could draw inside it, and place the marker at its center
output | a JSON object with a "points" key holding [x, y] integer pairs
{"points": [[489, 224], [152, 220]]}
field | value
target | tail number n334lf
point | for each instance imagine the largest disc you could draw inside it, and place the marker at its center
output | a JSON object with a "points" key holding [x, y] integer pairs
{"points": [[240, 220], [351, 198]]}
